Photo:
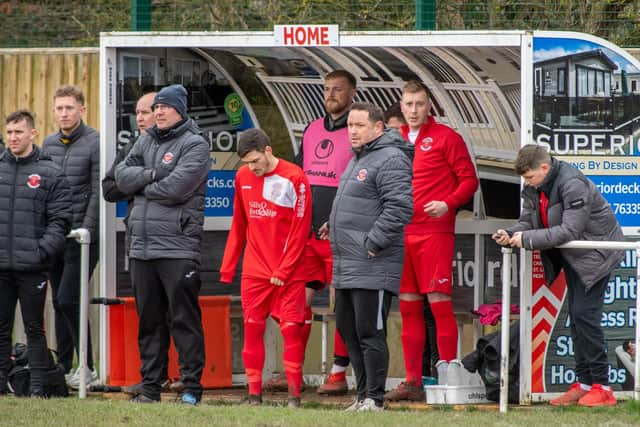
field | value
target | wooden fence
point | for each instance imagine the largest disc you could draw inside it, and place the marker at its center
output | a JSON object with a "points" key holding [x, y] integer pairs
{"points": [[29, 77]]}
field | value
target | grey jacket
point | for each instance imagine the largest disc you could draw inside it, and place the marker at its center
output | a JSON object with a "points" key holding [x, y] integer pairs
{"points": [[167, 171], [372, 206], [576, 211], [80, 161]]}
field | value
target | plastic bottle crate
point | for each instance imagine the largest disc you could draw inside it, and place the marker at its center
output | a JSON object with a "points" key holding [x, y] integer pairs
{"points": [[455, 394]]}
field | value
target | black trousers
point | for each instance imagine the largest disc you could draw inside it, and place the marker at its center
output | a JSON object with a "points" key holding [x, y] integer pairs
{"points": [[64, 275], [585, 310], [30, 288], [170, 286], [361, 319]]}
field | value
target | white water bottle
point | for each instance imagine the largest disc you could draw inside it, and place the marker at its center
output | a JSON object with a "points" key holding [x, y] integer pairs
{"points": [[442, 367], [454, 373]]}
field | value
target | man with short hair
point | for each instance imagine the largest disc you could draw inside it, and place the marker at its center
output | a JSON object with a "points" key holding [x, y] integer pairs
{"points": [[444, 179], [76, 148], [167, 171], [393, 118], [560, 204], [272, 218], [144, 120], [323, 155], [36, 217], [369, 213]]}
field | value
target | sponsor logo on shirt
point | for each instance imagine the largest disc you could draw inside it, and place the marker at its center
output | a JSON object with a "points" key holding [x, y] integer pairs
{"points": [[426, 144], [260, 210], [167, 158], [443, 281], [34, 180], [324, 149], [362, 175]]}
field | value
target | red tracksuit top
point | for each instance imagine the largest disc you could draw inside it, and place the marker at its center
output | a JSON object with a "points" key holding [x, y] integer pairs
{"points": [[272, 216], [442, 170]]}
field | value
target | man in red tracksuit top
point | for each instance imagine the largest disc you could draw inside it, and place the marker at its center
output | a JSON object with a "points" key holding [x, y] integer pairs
{"points": [[272, 217], [444, 179]]}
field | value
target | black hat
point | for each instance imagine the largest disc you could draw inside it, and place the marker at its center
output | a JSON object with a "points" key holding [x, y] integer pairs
{"points": [[175, 96]]}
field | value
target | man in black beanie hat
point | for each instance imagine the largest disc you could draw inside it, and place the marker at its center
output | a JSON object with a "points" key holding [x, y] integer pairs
{"points": [[167, 171]]}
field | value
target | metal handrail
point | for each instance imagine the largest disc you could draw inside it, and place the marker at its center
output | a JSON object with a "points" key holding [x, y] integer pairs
{"points": [[506, 303], [83, 237]]}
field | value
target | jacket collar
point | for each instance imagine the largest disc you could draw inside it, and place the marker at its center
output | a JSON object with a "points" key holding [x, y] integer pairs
{"points": [[74, 136], [550, 179], [162, 135], [339, 123], [35, 154]]}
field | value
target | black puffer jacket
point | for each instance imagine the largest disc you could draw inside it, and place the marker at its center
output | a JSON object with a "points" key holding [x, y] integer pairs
{"points": [[35, 213], [80, 161], [110, 190], [372, 206], [168, 209]]}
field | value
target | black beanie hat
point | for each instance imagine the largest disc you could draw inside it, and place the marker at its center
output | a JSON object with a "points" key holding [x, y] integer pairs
{"points": [[175, 96]]}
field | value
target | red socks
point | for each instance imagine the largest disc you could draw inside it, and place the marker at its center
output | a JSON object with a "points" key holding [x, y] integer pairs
{"points": [[446, 328], [253, 354], [339, 347], [413, 338], [292, 355]]}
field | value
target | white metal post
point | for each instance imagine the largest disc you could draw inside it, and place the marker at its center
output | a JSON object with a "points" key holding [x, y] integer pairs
{"points": [[636, 375], [83, 237], [504, 338], [325, 336]]}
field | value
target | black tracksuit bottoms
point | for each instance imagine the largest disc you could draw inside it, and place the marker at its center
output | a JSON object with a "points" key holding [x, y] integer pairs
{"points": [[361, 319], [585, 311], [170, 286], [30, 288]]}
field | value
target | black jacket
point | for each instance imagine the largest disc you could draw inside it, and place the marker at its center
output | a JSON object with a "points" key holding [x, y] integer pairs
{"points": [[80, 161], [35, 213], [110, 190], [372, 206]]}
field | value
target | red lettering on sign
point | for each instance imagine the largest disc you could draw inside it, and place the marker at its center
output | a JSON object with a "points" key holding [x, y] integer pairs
{"points": [[305, 36], [324, 36], [288, 35]]}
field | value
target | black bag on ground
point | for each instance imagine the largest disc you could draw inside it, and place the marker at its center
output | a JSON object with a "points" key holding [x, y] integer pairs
{"points": [[20, 375], [485, 360]]}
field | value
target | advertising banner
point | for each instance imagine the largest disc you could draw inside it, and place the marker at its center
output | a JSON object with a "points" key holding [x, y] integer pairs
{"points": [[587, 113]]}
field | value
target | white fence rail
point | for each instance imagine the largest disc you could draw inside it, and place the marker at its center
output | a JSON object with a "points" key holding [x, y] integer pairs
{"points": [[506, 302], [83, 237]]}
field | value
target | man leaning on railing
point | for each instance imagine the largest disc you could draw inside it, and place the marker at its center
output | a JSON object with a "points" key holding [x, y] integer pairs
{"points": [[560, 204]]}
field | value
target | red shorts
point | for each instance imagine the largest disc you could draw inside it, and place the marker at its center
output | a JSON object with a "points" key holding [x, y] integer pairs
{"points": [[261, 299], [317, 261], [428, 260]]}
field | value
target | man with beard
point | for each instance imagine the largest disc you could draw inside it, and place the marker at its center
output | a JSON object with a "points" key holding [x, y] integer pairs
{"points": [[323, 155]]}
